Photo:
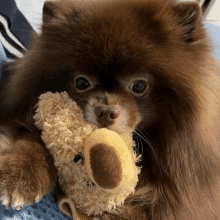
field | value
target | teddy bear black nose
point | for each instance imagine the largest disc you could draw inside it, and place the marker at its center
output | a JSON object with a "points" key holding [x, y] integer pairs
{"points": [[106, 115]]}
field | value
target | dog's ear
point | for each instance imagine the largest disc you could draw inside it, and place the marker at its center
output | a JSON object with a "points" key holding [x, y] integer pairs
{"points": [[59, 10], [49, 10], [189, 18]]}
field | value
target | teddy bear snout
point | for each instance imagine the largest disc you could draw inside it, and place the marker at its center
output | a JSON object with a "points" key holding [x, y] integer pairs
{"points": [[106, 166]]}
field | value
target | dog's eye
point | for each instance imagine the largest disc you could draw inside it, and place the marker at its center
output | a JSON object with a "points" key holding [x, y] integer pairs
{"points": [[82, 83], [138, 86]]}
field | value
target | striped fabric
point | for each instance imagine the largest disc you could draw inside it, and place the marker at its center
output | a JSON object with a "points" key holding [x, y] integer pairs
{"points": [[16, 33], [12, 46]]}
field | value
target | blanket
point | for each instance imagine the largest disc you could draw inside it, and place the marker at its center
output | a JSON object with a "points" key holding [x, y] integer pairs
{"points": [[46, 209]]}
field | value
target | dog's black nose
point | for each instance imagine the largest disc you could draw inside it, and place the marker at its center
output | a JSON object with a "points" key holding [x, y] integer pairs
{"points": [[106, 114]]}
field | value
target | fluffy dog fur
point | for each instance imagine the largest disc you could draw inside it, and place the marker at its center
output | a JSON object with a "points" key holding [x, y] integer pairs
{"points": [[112, 44]]}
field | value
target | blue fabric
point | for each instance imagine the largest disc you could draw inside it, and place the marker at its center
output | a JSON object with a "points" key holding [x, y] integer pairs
{"points": [[2, 56], [19, 25], [46, 209], [214, 35]]}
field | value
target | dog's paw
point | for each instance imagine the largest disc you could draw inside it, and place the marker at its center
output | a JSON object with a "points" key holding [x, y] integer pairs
{"points": [[24, 180]]}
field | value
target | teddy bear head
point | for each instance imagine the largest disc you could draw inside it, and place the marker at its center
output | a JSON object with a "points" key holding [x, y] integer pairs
{"points": [[96, 167]]}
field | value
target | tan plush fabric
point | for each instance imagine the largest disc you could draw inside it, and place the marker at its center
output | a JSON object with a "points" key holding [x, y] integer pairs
{"points": [[64, 132]]}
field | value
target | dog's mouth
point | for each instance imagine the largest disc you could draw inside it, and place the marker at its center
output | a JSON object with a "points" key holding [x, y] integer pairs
{"points": [[119, 125], [118, 129]]}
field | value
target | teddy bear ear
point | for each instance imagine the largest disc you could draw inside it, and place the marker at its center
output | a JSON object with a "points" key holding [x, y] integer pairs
{"points": [[67, 206], [189, 18]]}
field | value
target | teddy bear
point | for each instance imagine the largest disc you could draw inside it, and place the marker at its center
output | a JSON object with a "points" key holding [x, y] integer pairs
{"points": [[96, 167]]}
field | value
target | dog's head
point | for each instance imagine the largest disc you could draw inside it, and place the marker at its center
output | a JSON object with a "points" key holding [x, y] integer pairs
{"points": [[126, 63]]}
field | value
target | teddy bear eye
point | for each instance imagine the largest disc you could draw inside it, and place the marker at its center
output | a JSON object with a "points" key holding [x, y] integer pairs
{"points": [[78, 158], [90, 183]]}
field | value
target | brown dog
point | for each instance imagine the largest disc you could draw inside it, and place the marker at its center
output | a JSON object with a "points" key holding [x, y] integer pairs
{"points": [[140, 65]]}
